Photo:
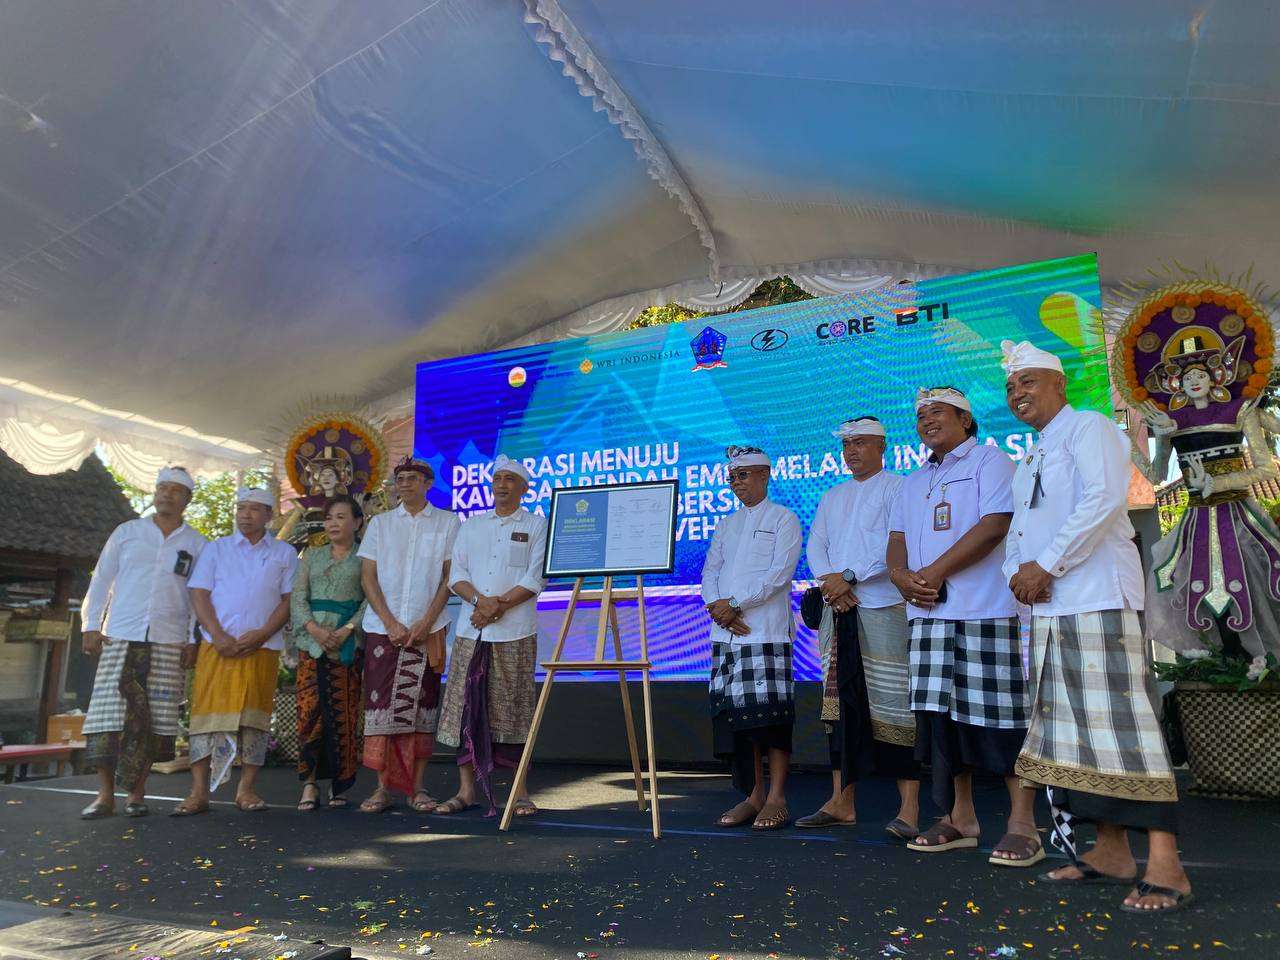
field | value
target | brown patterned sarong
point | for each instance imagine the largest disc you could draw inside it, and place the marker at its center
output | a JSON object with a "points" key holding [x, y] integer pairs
{"points": [[510, 689], [329, 715], [401, 709]]}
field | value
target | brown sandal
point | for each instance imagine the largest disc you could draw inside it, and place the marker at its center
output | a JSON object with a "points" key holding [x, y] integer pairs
{"points": [[738, 816], [424, 806], [454, 804], [773, 816], [1029, 851], [941, 837]]}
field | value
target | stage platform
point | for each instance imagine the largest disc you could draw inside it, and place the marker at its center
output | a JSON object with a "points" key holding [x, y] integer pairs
{"points": [[585, 880]]}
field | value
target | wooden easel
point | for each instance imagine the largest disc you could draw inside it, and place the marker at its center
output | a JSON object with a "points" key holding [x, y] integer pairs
{"points": [[607, 597]]}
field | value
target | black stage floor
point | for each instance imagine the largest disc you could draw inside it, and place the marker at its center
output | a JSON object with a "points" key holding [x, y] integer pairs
{"points": [[585, 879]]}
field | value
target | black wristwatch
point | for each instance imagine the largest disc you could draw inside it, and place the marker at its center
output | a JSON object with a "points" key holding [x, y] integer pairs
{"points": [[849, 576]]}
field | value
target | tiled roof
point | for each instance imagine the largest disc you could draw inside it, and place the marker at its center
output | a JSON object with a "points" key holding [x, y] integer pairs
{"points": [[68, 514]]}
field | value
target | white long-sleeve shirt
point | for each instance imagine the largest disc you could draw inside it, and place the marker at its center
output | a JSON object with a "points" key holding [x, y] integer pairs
{"points": [[752, 559], [494, 554], [410, 551], [851, 532], [140, 584], [1078, 528], [245, 582]]}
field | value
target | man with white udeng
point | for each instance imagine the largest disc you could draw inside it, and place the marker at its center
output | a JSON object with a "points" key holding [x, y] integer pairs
{"points": [[864, 636], [488, 701], [1095, 739], [240, 590], [141, 577], [746, 586]]}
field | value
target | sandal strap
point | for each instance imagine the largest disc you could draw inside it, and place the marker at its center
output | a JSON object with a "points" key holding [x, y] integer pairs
{"points": [[940, 833], [1146, 889], [1018, 843]]}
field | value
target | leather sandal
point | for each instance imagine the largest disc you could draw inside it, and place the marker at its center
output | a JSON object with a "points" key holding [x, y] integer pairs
{"points": [[823, 819], [454, 804], [1088, 876], [942, 837], [378, 802], [98, 811], [773, 816], [738, 816], [136, 809], [1028, 851]]}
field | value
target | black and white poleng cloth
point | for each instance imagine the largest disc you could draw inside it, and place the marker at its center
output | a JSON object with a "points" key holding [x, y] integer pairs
{"points": [[752, 683]]}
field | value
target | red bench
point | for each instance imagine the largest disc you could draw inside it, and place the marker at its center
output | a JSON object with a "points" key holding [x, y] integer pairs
{"points": [[25, 754]]}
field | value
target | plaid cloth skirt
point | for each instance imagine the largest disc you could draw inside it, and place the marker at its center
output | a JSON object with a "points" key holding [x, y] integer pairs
{"points": [[970, 670], [1095, 727], [751, 684], [166, 684]]}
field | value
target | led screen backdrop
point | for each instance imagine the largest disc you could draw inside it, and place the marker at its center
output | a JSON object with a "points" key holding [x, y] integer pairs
{"points": [[664, 402]]}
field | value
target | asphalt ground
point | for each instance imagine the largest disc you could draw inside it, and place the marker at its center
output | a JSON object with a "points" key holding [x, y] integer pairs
{"points": [[585, 879]]}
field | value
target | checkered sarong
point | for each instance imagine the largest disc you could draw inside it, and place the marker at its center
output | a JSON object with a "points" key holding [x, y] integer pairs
{"points": [[752, 684], [971, 669], [1095, 727], [166, 688]]}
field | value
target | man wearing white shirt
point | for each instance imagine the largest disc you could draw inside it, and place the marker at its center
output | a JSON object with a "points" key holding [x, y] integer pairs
{"points": [[863, 635], [404, 559], [746, 585], [240, 590], [138, 615], [488, 701], [1094, 739]]}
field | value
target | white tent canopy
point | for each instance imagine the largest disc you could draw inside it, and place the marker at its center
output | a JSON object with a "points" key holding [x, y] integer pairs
{"points": [[211, 211]]}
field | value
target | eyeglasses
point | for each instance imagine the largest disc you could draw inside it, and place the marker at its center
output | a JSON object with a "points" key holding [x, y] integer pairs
{"points": [[745, 473]]}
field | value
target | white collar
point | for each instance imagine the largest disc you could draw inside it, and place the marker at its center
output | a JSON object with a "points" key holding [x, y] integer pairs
{"points": [[1058, 423]]}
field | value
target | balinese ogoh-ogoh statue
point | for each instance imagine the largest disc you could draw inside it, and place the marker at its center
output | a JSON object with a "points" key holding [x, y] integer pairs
{"points": [[1195, 358]]}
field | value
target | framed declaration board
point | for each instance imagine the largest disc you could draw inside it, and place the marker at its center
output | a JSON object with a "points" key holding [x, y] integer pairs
{"points": [[612, 530]]}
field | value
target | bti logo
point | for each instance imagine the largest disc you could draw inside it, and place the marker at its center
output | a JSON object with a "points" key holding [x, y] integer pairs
{"points": [[769, 339]]}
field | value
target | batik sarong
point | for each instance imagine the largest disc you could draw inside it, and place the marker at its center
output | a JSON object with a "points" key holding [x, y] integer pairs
{"points": [[329, 716], [133, 712], [752, 699], [401, 710], [488, 704], [1094, 726], [231, 703], [968, 696]]}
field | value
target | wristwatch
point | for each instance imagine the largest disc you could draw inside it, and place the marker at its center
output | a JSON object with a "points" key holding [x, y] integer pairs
{"points": [[733, 602], [849, 576]]}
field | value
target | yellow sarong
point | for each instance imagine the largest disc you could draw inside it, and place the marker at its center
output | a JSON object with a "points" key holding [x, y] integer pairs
{"points": [[233, 692]]}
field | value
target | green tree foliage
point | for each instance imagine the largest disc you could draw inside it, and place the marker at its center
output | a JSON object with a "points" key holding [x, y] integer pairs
{"points": [[212, 510], [771, 293]]}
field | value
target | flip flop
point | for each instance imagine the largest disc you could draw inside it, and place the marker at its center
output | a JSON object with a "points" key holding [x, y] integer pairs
{"points": [[1088, 875], [823, 819], [136, 810], [182, 810], [97, 811], [257, 806], [378, 802], [423, 806], [338, 802], [1029, 851], [526, 808], [897, 827], [771, 817], [942, 837], [1180, 900], [738, 816], [454, 804]]}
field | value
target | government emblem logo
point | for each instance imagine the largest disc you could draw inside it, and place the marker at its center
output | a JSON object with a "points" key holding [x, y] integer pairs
{"points": [[582, 506], [516, 376], [708, 349], [586, 366]]}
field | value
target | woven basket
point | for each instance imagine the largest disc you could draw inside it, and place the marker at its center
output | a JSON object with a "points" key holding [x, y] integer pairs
{"points": [[1232, 738], [284, 724]]}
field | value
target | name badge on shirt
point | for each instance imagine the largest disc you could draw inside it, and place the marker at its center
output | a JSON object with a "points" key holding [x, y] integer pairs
{"points": [[942, 515], [183, 565], [520, 537]]}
